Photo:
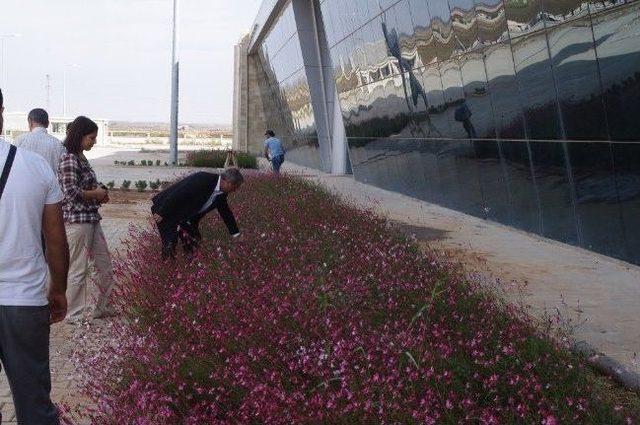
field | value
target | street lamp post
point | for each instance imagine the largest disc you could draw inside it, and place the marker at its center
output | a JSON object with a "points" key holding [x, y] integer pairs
{"points": [[175, 81], [3, 37]]}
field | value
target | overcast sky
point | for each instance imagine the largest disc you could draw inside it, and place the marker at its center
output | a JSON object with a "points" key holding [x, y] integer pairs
{"points": [[123, 52]]}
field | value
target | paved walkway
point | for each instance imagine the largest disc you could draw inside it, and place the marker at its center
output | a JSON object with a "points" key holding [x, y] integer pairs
{"points": [[597, 296]]}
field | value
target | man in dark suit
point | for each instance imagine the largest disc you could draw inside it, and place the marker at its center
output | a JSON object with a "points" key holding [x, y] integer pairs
{"points": [[178, 209]]}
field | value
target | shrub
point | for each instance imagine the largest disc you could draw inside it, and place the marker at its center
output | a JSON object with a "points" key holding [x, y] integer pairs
{"points": [[164, 184], [116, 162], [111, 184], [247, 161], [143, 162], [150, 162], [141, 185], [206, 158], [158, 162], [154, 185], [126, 184], [131, 162], [362, 328], [216, 159], [166, 164]]}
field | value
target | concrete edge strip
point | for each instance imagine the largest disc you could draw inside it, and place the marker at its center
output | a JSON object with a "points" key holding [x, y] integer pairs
{"points": [[608, 366]]}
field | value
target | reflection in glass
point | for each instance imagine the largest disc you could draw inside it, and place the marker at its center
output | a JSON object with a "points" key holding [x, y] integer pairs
{"points": [[424, 36], [454, 96], [477, 96], [435, 122], [597, 200], [536, 86], [503, 89], [463, 22], [491, 21], [523, 17], [626, 157], [559, 220], [557, 12], [442, 29], [577, 80], [617, 39]]}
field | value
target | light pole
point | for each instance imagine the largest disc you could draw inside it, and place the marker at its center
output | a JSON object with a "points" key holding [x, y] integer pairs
{"points": [[64, 88], [175, 81], [3, 37]]}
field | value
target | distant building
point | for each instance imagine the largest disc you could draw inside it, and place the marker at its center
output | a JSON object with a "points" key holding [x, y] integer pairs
{"points": [[15, 124]]}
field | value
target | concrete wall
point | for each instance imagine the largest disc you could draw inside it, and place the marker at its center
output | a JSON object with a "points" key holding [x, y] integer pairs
{"points": [[249, 123]]}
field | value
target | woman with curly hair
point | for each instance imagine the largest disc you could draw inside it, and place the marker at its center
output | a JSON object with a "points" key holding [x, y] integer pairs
{"points": [[83, 196]]}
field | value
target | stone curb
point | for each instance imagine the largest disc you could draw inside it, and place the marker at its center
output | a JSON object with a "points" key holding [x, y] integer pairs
{"points": [[608, 366]]}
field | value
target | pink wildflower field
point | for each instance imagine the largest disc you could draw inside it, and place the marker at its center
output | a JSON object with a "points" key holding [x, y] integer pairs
{"points": [[320, 313]]}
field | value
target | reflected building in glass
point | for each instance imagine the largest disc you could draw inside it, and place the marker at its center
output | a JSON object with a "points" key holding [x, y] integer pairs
{"points": [[524, 112]]}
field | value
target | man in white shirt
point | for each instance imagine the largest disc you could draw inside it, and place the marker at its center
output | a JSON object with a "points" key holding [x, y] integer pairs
{"points": [[30, 206], [39, 141]]}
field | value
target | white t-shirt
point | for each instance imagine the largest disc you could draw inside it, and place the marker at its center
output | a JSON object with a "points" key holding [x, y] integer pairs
{"points": [[31, 186]]}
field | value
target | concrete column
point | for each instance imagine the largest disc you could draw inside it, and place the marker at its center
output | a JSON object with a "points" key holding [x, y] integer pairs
{"points": [[319, 72], [240, 96]]}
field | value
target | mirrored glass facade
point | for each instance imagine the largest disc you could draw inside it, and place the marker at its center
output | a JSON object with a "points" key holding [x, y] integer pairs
{"points": [[524, 112], [285, 91]]}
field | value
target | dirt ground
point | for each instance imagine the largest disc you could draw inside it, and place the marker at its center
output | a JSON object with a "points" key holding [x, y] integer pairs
{"points": [[132, 205]]}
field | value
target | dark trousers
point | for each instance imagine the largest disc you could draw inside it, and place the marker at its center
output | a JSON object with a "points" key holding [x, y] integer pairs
{"points": [[24, 352], [188, 233], [276, 163]]}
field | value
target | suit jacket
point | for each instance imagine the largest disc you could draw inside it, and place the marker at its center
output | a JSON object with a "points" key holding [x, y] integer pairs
{"points": [[184, 200]]}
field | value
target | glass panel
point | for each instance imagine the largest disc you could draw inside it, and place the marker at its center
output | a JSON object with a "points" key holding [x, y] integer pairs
{"points": [[597, 198], [536, 86], [523, 17], [503, 89], [398, 107], [436, 123], [577, 80], [522, 186], [463, 21], [424, 39], [627, 167], [555, 191], [459, 184], [559, 11], [491, 21], [372, 112], [617, 35], [454, 98], [429, 174], [477, 96], [441, 26]]}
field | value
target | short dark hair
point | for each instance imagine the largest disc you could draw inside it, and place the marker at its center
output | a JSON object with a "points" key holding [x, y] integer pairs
{"points": [[1, 99], [76, 130], [270, 133], [40, 116]]}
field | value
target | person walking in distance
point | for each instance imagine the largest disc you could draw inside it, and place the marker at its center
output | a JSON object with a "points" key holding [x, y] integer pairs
{"points": [[83, 196], [38, 140], [273, 151], [30, 205]]}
